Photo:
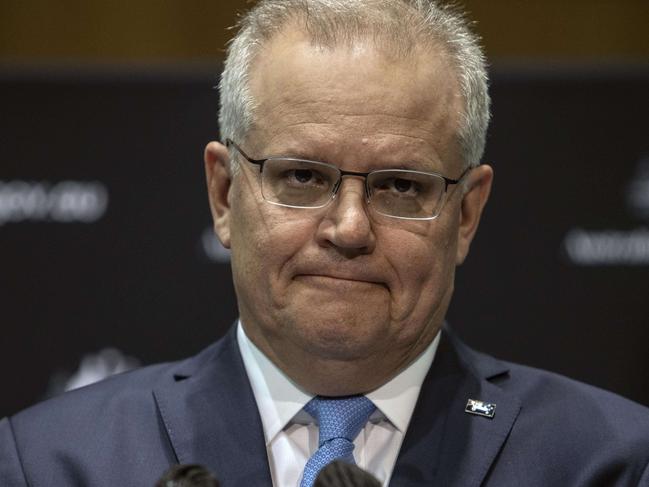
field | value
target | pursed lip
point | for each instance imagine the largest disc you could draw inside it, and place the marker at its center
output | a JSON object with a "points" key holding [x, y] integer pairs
{"points": [[342, 277]]}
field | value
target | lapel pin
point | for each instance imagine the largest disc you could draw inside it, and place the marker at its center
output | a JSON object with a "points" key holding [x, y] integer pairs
{"points": [[480, 408]]}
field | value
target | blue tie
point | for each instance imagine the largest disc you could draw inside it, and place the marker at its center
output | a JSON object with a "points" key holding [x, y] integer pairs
{"points": [[340, 420]]}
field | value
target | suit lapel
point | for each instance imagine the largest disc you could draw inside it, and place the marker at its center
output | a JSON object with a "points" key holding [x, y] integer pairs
{"points": [[211, 418], [444, 445]]}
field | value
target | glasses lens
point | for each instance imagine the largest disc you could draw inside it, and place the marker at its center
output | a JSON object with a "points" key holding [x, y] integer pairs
{"points": [[297, 183], [406, 194]]}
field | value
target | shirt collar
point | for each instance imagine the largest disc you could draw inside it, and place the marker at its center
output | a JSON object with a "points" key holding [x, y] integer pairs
{"points": [[279, 399], [397, 398]]}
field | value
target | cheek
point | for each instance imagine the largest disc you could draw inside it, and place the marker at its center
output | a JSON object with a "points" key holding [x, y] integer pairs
{"points": [[264, 238], [424, 266]]}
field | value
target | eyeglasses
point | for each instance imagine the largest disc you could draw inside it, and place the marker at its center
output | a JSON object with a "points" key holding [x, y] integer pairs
{"points": [[397, 193]]}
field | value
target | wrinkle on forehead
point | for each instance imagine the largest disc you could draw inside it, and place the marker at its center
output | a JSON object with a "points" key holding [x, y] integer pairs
{"points": [[354, 94], [380, 150]]}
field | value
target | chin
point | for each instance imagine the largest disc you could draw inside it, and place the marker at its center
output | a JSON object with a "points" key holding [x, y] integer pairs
{"points": [[341, 338]]}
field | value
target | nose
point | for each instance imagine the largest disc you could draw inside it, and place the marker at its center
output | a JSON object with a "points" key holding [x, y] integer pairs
{"points": [[347, 225]]}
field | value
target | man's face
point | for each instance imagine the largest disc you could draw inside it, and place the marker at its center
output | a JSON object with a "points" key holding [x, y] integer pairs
{"points": [[343, 289]]}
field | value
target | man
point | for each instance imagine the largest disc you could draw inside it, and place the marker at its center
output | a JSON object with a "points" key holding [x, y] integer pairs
{"points": [[348, 188]]}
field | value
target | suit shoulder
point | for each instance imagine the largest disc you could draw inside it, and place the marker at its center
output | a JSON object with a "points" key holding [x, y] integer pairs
{"points": [[569, 408], [128, 388], [108, 433], [542, 388], [76, 425], [576, 433], [127, 394], [545, 387]]}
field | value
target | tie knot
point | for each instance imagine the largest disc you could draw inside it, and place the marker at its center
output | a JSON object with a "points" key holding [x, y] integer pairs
{"points": [[340, 417]]}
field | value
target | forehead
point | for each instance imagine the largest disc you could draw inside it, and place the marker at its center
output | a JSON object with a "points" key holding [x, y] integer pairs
{"points": [[324, 101]]}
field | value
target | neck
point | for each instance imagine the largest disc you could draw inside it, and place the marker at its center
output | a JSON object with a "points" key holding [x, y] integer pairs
{"points": [[324, 375]]}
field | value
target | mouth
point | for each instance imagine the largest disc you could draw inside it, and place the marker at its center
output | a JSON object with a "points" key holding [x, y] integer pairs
{"points": [[339, 281]]}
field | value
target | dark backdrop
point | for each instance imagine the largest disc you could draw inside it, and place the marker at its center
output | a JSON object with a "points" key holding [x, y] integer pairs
{"points": [[105, 240]]}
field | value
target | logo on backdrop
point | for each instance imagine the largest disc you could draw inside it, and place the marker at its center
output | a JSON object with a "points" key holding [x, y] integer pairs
{"points": [[61, 202], [212, 248], [93, 368], [637, 195], [616, 247]]}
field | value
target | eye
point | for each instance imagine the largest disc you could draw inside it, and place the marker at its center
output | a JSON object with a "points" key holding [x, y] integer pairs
{"points": [[402, 185], [302, 175], [304, 178], [399, 186]]}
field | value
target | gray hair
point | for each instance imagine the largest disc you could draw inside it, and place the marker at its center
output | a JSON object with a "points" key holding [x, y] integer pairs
{"points": [[399, 25]]}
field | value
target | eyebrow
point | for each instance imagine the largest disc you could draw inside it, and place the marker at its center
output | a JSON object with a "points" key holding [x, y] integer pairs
{"points": [[315, 152], [412, 164], [415, 166], [302, 153]]}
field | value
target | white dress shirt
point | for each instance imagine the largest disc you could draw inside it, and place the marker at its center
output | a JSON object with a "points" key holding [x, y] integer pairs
{"points": [[291, 434]]}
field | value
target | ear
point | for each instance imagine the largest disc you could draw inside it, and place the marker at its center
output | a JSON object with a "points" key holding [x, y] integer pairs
{"points": [[219, 179], [476, 193]]}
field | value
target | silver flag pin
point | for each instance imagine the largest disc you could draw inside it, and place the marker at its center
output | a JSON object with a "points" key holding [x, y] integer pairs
{"points": [[479, 408]]}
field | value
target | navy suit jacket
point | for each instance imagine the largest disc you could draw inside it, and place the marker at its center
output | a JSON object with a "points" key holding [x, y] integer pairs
{"points": [[127, 430]]}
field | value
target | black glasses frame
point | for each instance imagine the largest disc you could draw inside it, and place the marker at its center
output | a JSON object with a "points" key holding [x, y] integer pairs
{"points": [[260, 162]]}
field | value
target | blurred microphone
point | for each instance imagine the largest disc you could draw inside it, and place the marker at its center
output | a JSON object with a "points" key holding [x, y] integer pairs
{"points": [[187, 476], [342, 474]]}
